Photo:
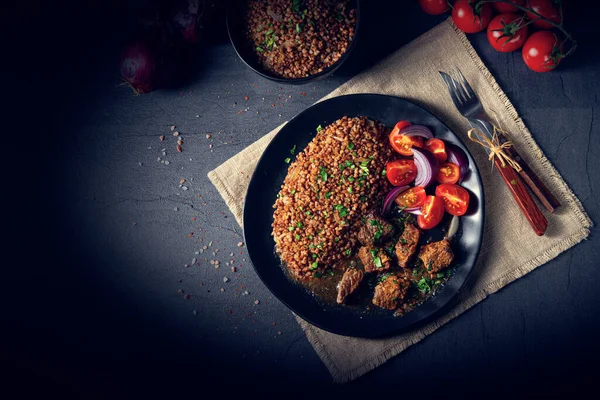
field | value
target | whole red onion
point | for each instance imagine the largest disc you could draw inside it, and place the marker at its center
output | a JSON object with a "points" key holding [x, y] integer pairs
{"points": [[138, 67]]}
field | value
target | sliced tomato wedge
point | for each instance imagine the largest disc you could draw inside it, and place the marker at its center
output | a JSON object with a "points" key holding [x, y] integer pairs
{"points": [[432, 212], [456, 198], [399, 126], [448, 173], [438, 148], [403, 144], [401, 172], [412, 198]]}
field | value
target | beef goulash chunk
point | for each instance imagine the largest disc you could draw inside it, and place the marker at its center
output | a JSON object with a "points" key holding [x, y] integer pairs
{"points": [[350, 281], [374, 230], [407, 244], [374, 259], [436, 256], [390, 292]]}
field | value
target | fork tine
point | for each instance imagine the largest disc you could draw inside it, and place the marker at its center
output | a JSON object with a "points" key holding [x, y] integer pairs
{"points": [[451, 89], [461, 92], [465, 83]]}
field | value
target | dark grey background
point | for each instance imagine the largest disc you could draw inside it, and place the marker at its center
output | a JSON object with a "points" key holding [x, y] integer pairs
{"points": [[96, 250]]}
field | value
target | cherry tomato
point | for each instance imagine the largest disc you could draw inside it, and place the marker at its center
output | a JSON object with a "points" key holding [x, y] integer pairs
{"points": [[455, 198], [437, 148], [434, 7], [403, 144], [399, 126], [401, 172], [547, 9], [448, 173], [507, 32], [411, 198], [467, 19], [542, 51], [503, 8], [432, 212]]}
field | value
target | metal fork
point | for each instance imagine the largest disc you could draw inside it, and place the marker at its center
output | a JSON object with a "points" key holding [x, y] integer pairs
{"points": [[473, 110], [467, 103]]}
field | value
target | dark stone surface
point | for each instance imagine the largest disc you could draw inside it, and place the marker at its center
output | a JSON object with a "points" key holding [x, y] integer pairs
{"points": [[97, 250]]}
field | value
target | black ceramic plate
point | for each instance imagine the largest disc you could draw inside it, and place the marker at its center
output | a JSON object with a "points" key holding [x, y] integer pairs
{"points": [[266, 183], [236, 30]]}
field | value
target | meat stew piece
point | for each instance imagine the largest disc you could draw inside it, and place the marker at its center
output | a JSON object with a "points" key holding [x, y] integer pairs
{"points": [[407, 244], [436, 256], [390, 292], [350, 280], [374, 230], [374, 259]]}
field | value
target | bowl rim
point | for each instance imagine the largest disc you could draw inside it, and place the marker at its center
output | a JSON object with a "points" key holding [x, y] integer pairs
{"points": [[297, 81]]}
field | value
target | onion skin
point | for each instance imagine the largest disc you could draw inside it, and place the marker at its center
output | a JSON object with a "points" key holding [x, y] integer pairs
{"points": [[457, 156], [391, 196], [417, 130], [427, 167], [138, 67]]}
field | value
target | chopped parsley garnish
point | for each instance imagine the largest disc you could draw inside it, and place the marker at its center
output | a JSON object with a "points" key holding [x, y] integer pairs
{"points": [[342, 166], [374, 222], [287, 160], [290, 228], [297, 237], [348, 252], [364, 168], [363, 198], [338, 206], [293, 149], [343, 212], [350, 179], [310, 236], [328, 195], [319, 128], [293, 191], [337, 239], [423, 285], [314, 265], [314, 256], [377, 235], [317, 275], [299, 225], [260, 49], [350, 146], [298, 29], [331, 273], [349, 163], [403, 241], [429, 265], [323, 173], [383, 172], [349, 190]]}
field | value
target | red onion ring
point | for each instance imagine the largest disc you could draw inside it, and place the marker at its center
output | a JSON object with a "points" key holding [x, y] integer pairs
{"points": [[457, 156], [391, 196], [417, 130], [427, 166]]}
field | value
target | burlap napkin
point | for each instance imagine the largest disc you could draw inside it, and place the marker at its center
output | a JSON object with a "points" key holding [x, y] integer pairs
{"points": [[510, 248]]}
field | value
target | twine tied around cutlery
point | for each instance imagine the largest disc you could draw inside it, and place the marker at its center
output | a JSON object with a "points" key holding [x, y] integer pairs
{"points": [[496, 148]]}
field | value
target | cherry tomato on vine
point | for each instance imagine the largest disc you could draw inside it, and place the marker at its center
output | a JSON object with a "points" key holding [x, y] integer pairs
{"points": [[550, 9], [542, 51], [503, 8], [434, 7], [507, 32], [471, 20]]}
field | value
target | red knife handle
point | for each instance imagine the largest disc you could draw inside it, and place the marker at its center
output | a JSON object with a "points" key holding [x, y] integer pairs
{"points": [[533, 214]]}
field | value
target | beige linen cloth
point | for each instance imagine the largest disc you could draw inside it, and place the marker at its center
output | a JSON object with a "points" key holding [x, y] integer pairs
{"points": [[510, 248]]}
